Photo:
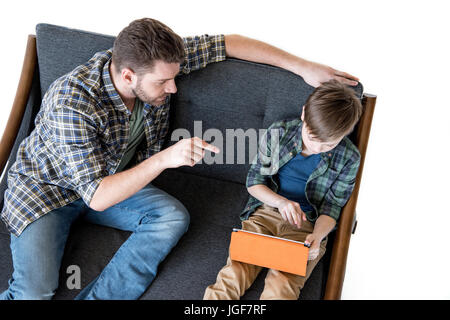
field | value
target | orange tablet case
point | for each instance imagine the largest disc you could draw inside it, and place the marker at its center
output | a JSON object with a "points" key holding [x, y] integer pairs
{"points": [[268, 251]]}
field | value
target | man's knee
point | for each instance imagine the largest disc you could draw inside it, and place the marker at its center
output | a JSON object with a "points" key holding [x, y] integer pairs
{"points": [[172, 215], [179, 215]]}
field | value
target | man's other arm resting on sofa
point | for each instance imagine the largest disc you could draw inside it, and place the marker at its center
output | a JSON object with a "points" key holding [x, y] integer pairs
{"points": [[313, 73]]}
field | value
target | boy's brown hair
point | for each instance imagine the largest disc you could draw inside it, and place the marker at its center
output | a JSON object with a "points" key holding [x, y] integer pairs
{"points": [[331, 111], [142, 42]]}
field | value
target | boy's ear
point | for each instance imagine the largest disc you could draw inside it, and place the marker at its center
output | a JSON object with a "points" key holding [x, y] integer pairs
{"points": [[303, 113]]}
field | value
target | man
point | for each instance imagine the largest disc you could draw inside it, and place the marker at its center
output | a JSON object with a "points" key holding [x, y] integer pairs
{"points": [[97, 146]]}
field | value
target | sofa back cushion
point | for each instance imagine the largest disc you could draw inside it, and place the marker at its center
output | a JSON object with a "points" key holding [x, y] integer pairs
{"points": [[60, 50], [226, 103]]}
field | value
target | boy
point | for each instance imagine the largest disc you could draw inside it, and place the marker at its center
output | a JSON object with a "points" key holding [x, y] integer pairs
{"points": [[303, 175]]}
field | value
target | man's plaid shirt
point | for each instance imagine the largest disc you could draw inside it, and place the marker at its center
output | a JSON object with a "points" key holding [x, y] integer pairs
{"points": [[329, 186], [81, 133]]}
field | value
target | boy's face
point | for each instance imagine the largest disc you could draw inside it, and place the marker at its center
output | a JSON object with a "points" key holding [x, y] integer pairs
{"points": [[312, 144]]}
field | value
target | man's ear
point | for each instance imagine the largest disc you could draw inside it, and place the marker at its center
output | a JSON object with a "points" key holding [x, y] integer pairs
{"points": [[127, 75], [303, 113]]}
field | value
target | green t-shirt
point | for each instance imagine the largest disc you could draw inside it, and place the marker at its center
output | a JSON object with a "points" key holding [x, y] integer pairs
{"points": [[136, 134]]}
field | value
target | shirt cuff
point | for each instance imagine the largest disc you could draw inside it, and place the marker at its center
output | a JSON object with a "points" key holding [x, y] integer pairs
{"points": [[217, 49], [331, 210], [87, 191]]}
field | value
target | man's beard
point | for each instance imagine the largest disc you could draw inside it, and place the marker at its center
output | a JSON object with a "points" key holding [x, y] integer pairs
{"points": [[140, 94]]}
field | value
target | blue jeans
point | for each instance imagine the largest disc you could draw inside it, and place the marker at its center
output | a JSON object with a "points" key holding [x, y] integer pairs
{"points": [[156, 219]]}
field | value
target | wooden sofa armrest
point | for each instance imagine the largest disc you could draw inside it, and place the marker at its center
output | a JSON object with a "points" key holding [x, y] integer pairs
{"points": [[355, 223], [346, 222], [20, 102]]}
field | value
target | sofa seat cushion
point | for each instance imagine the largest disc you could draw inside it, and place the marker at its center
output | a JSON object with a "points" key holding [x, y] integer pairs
{"points": [[214, 206]]}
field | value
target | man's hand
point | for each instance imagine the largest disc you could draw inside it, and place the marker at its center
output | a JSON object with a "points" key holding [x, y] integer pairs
{"points": [[314, 241], [315, 73], [186, 152], [290, 211]]}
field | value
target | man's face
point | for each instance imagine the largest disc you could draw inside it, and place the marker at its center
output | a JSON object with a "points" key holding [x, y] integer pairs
{"points": [[155, 86]]}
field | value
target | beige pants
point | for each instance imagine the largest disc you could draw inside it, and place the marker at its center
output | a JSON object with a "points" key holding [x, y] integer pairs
{"points": [[236, 277]]}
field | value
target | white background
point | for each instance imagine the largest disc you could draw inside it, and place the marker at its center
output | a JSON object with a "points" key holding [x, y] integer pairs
{"points": [[399, 50]]}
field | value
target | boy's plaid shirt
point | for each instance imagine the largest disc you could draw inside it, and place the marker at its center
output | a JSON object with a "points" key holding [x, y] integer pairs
{"points": [[81, 133], [329, 186]]}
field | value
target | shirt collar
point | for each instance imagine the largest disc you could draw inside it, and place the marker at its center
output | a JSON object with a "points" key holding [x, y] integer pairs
{"points": [[298, 138], [113, 95], [299, 143], [110, 89]]}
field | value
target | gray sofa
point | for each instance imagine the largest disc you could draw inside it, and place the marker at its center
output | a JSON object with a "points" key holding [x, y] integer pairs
{"points": [[226, 95]]}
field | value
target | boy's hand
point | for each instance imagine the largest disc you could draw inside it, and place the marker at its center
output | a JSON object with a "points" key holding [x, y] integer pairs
{"points": [[290, 211], [314, 241]]}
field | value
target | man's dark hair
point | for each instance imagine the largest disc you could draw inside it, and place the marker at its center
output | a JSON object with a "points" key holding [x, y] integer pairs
{"points": [[144, 41], [331, 111]]}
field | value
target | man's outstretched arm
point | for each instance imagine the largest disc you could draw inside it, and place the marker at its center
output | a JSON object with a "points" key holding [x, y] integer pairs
{"points": [[313, 73], [120, 186]]}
